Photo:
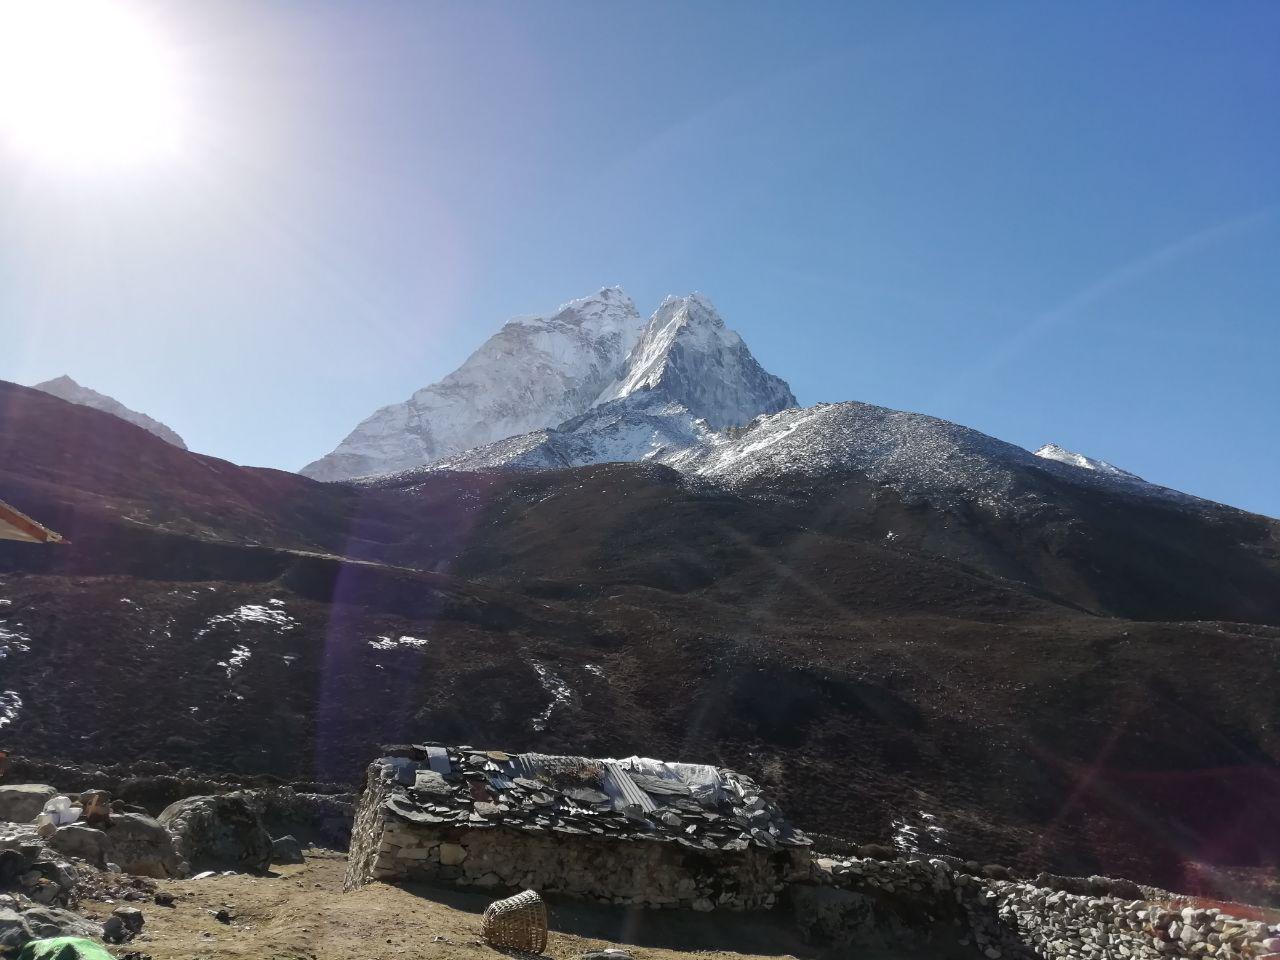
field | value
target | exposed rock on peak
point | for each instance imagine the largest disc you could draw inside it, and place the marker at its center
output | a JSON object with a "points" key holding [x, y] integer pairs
{"points": [[688, 356], [67, 389]]}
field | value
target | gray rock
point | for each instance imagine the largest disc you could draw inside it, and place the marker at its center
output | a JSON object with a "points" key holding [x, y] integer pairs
{"points": [[143, 847], [14, 930], [22, 802], [608, 954], [54, 922], [220, 832], [428, 781], [286, 849], [131, 917], [78, 840]]}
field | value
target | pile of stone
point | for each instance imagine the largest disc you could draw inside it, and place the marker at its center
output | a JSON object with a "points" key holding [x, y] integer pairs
{"points": [[57, 849], [699, 807], [1060, 924], [103, 833], [856, 902], [42, 884]]}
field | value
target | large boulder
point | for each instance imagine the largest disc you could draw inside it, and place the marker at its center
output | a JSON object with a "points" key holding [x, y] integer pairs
{"points": [[55, 922], [287, 849], [14, 931], [78, 840], [22, 802], [222, 832], [142, 846]]}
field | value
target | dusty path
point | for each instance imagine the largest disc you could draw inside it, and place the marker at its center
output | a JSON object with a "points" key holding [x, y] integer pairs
{"points": [[300, 913]]}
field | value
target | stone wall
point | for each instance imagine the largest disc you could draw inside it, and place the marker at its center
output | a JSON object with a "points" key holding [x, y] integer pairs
{"points": [[634, 871], [853, 902], [845, 902]]}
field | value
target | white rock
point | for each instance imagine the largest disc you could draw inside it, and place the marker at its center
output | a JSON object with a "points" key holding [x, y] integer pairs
{"points": [[452, 854]]}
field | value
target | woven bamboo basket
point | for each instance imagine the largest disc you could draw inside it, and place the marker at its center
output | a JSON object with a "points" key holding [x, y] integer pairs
{"points": [[517, 923]]}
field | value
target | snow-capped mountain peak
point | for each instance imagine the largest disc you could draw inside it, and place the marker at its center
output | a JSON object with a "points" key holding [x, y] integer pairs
{"points": [[535, 372], [1051, 451], [590, 381], [688, 356], [64, 388]]}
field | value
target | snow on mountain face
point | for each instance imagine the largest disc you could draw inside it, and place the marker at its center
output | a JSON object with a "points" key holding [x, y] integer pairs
{"points": [[1051, 451], [921, 457], [636, 427], [916, 454], [535, 372], [67, 389], [687, 376], [687, 355], [616, 392]]}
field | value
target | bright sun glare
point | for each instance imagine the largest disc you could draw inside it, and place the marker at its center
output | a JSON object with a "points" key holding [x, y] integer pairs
{"points": [[85, 82]]}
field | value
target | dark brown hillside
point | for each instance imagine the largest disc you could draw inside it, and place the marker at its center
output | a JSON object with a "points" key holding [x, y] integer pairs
{"points": [[204, 616]]}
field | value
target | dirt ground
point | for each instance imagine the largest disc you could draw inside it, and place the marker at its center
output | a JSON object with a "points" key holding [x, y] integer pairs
{"points": [[300, 912]]}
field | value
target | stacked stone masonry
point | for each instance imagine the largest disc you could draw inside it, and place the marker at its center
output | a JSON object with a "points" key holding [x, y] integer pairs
{"points": [[1006, 918], [734, 850], [697, 858]]}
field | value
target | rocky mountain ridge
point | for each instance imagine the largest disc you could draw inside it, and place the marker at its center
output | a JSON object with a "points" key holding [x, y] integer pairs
{"points": [[690, 395], [67, 389]]}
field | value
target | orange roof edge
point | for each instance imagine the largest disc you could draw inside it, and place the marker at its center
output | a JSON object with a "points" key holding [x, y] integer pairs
{"points": [[16, 525]]}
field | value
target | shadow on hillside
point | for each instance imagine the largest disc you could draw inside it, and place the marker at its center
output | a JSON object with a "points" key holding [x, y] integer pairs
{"points": [[760, 933]]}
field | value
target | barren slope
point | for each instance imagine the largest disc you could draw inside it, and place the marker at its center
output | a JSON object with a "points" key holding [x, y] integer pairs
{"points": [[202, 617]]}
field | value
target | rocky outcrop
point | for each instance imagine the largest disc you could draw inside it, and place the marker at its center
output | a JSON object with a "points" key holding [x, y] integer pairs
{"points": [[219, 833]]}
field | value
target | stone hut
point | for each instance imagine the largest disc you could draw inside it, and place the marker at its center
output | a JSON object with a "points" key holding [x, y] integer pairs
{"points": [[636, 831]]}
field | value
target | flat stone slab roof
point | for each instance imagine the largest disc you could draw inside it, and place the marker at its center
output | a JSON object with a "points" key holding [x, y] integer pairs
{"points": [[697, 806]]}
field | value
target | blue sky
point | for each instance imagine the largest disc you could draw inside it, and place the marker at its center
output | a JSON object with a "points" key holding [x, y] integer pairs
{"points": [[1051, 222]]}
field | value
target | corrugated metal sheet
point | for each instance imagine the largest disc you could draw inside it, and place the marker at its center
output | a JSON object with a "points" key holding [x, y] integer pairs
{"points": [[617, 783], [614, 780], [499, 775]]}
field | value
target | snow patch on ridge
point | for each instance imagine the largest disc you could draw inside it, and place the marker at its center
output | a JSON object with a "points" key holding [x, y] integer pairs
{"points": [[560, 692], [239, 657], [10, 707], [252, 613], [1051, 451], [398, 643], [12, 642]]}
